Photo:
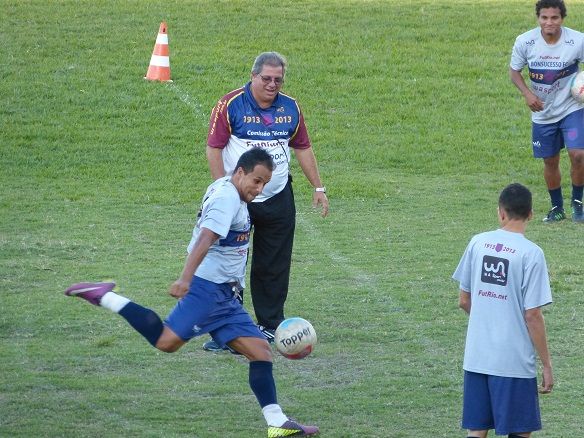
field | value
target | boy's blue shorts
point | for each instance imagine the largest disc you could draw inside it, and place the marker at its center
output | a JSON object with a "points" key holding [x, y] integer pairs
{"points": [[506, 404], [548, 139], [211, 308]]}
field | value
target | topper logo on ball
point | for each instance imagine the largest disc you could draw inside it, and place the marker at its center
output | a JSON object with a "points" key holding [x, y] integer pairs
{"points": [[295, 338]]}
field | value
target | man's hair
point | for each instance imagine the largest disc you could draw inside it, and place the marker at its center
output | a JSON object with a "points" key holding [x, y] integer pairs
{"points": [[515, 199], [250, 159], [273, 59], [542, 4]]}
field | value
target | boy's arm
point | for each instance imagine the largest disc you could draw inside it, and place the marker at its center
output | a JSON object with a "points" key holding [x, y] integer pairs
{"points": [[536, 326], [464, 301]]}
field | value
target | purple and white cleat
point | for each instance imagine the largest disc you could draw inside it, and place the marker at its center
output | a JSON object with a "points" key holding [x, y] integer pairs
{"points": [[92, 292]]}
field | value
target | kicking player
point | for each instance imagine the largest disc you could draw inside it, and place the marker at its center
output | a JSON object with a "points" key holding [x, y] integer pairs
{"points": [[213, 273], [503, 286]]}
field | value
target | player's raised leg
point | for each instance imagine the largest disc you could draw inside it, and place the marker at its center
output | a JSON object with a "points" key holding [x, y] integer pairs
{"points": [[143, 320]]}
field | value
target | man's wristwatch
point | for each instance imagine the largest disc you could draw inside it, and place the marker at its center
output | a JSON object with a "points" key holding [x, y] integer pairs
{"points": [[320, 189]]}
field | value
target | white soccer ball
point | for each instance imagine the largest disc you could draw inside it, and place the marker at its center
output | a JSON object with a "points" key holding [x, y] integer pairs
{"points": [[295, 338], [577, 87]]}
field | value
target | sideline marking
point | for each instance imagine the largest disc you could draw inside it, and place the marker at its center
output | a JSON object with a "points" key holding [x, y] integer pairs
{"points": [[189, 101]]}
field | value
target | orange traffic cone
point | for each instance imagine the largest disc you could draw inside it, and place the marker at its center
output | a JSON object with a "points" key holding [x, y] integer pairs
{"points": [[159, 69]]}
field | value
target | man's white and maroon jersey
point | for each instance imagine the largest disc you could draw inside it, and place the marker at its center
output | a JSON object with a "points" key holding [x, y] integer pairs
{"points": [[224, 213], [239, 124], [551, 70]]}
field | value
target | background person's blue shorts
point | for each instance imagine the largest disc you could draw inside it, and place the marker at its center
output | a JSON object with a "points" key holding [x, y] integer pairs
{"points": [[548, 139], [211, 308], [506, 404]]}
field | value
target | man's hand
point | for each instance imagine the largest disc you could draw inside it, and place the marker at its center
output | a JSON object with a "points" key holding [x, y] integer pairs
{"points": [[533, 102], [179, 288], [547, 381], [319, 198]]}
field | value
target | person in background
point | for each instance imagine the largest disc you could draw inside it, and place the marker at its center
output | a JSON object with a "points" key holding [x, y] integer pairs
{"points": [[552, 54], [259, 115]]}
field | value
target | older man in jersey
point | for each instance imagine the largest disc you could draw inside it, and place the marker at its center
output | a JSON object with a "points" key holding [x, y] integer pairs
{"points": [[259, 115], [552, 54], [207, 289]]}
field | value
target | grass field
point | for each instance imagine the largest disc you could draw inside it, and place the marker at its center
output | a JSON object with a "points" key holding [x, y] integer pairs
{"points": [[416, 127]]}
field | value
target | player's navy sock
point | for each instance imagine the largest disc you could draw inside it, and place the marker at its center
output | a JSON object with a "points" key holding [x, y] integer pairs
{"points": [[512, 435], [556, 197], [145, 321], [577, 192], [261, 381]]}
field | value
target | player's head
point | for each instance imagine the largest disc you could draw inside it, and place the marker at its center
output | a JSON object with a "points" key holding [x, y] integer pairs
{"points": [[272, 59], [515, 200], [545, 4], [267, 77], [252, 172]]}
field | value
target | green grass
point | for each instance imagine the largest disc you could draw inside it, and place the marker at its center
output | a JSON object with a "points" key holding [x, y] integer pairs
{"points": [[416, 127]]}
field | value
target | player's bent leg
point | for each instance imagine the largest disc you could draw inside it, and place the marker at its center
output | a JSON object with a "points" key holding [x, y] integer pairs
{"points": [[254, 349], [143, 320], [169, 341]]}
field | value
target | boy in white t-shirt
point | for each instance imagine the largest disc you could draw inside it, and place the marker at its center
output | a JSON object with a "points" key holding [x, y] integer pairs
{"points": [[503, 286]]}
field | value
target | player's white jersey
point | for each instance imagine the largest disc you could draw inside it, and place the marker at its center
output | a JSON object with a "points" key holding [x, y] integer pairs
{"points": [[506, 274], [224, 213], [551, 70]]}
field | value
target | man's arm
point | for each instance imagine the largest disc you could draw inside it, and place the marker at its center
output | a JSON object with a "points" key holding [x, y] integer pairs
{"points": [[307, 162], [181, 286], [536, 326], [531, 99], [464, 301], [215, 160]]}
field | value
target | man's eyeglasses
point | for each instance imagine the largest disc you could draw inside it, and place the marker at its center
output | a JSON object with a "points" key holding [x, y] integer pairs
{"points": [[268, 79]]}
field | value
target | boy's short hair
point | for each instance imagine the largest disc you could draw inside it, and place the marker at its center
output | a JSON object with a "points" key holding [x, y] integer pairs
{"points": [[516, 200]]}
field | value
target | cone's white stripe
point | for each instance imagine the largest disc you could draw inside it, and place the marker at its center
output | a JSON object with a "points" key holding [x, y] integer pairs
{"points": [[162, 38], [160, 61]]}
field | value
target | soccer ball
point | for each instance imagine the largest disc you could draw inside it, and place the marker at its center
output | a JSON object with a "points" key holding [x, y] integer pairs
{"points": [[577, 87], [295, 338]]}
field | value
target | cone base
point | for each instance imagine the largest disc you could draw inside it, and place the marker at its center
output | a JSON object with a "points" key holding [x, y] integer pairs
{"points": [[159, 80]]}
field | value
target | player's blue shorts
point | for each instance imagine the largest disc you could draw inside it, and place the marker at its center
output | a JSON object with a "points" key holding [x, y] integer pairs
{"points": [[506, 404], [211, 308], [549, 139]]}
